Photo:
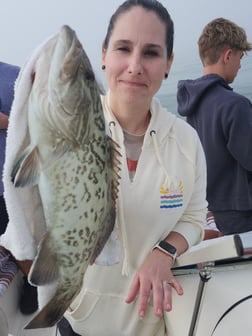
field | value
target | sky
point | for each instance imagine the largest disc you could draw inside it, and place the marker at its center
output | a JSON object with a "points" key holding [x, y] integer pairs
{"points": [[27, 23]]}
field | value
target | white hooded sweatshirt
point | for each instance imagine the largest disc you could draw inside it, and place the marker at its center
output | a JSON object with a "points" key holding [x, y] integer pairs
{"points": [[167, 194]]}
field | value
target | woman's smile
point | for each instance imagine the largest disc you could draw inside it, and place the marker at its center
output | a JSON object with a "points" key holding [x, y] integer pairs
{"points": [[133, 83]]}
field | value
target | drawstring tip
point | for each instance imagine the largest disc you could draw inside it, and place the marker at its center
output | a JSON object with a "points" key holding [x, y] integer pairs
{"points": [[125, 269]]}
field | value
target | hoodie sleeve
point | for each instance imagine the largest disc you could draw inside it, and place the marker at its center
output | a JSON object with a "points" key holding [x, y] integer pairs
{"points": [[190, 225]]}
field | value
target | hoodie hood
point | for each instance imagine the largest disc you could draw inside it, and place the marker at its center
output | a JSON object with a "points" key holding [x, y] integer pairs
{"points": [[190, 92]]}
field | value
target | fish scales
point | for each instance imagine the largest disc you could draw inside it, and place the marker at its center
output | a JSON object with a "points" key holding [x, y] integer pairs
{"points": [[75, 166]]}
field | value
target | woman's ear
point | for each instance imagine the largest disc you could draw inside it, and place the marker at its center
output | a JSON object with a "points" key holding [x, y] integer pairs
{"points": [[103, 55], [169, 64]]}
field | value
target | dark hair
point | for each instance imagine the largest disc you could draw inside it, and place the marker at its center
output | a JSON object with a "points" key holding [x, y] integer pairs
{"points": [[149, 5]]}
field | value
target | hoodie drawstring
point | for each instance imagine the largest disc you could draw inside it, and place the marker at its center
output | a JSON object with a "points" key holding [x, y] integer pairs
{"points": [[169, 182]]}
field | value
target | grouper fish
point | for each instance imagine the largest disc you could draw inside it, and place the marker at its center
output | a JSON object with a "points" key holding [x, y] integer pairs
{"points": [[76, 167]]}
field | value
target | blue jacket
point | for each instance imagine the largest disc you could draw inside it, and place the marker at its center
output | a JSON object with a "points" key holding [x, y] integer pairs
{"points": [[8, 75], [223, 120]]}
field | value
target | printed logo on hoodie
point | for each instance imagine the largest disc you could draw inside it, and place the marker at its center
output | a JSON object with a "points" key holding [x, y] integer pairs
{"points": [[171, 197]]}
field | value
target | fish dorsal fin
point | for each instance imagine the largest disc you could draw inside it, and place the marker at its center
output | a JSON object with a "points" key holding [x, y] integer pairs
{"points": [[114, 158]]}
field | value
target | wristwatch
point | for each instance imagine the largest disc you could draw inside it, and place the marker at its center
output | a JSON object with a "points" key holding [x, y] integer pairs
{"points": [[167, 248]]}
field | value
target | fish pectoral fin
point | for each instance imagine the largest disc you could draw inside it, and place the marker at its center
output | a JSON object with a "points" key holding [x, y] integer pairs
{"points": [[44, 269], [26, 169]]}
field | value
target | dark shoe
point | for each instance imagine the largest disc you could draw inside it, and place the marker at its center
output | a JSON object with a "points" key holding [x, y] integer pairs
{"points": [[29, 298]]}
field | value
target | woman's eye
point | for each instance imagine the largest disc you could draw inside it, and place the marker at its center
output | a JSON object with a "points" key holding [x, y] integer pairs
{"points": [[124, 49], [151, 53]]}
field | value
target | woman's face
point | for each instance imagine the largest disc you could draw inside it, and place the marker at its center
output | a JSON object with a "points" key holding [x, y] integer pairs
{"points": [[136, 57]]}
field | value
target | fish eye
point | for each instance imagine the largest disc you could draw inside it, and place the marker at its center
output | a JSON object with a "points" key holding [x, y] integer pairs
{"points": [[89, 75]]}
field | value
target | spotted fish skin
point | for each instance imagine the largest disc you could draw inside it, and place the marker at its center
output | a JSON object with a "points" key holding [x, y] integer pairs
{"points": [[75, 166]]}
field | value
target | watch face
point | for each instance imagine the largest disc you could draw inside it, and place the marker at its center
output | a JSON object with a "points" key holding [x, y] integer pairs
{"points": [[168, 247]]}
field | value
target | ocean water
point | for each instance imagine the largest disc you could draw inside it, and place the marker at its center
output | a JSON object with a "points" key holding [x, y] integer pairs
{"points": [[167, 94]]}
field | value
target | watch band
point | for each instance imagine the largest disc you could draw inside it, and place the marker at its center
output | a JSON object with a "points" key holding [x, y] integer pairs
{"points": [[167, 249]]}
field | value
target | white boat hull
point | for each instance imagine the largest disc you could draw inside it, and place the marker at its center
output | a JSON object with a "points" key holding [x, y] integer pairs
{"points": [[228, 286], [217, 300]]}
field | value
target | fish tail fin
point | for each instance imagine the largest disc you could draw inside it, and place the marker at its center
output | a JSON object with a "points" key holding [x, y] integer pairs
{"points": [[48, 316], [25, 171], [54, 310]]}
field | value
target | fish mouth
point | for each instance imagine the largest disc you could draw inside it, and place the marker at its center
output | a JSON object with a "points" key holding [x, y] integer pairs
{"points": [[72, 46], [68, 34], [66, 61]]}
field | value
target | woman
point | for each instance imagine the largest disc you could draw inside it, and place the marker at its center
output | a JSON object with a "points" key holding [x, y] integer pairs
{"points": [[161, 204]]}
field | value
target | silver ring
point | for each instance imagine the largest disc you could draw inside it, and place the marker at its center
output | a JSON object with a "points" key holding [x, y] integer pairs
{"points": [[167, 282]]}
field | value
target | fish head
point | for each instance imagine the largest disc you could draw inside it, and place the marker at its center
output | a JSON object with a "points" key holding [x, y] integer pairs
{"points": [[71, 95], [71, 81]]}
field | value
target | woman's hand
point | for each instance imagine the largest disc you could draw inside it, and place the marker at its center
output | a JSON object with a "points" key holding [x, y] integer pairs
{"points": [[154, 278]]}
